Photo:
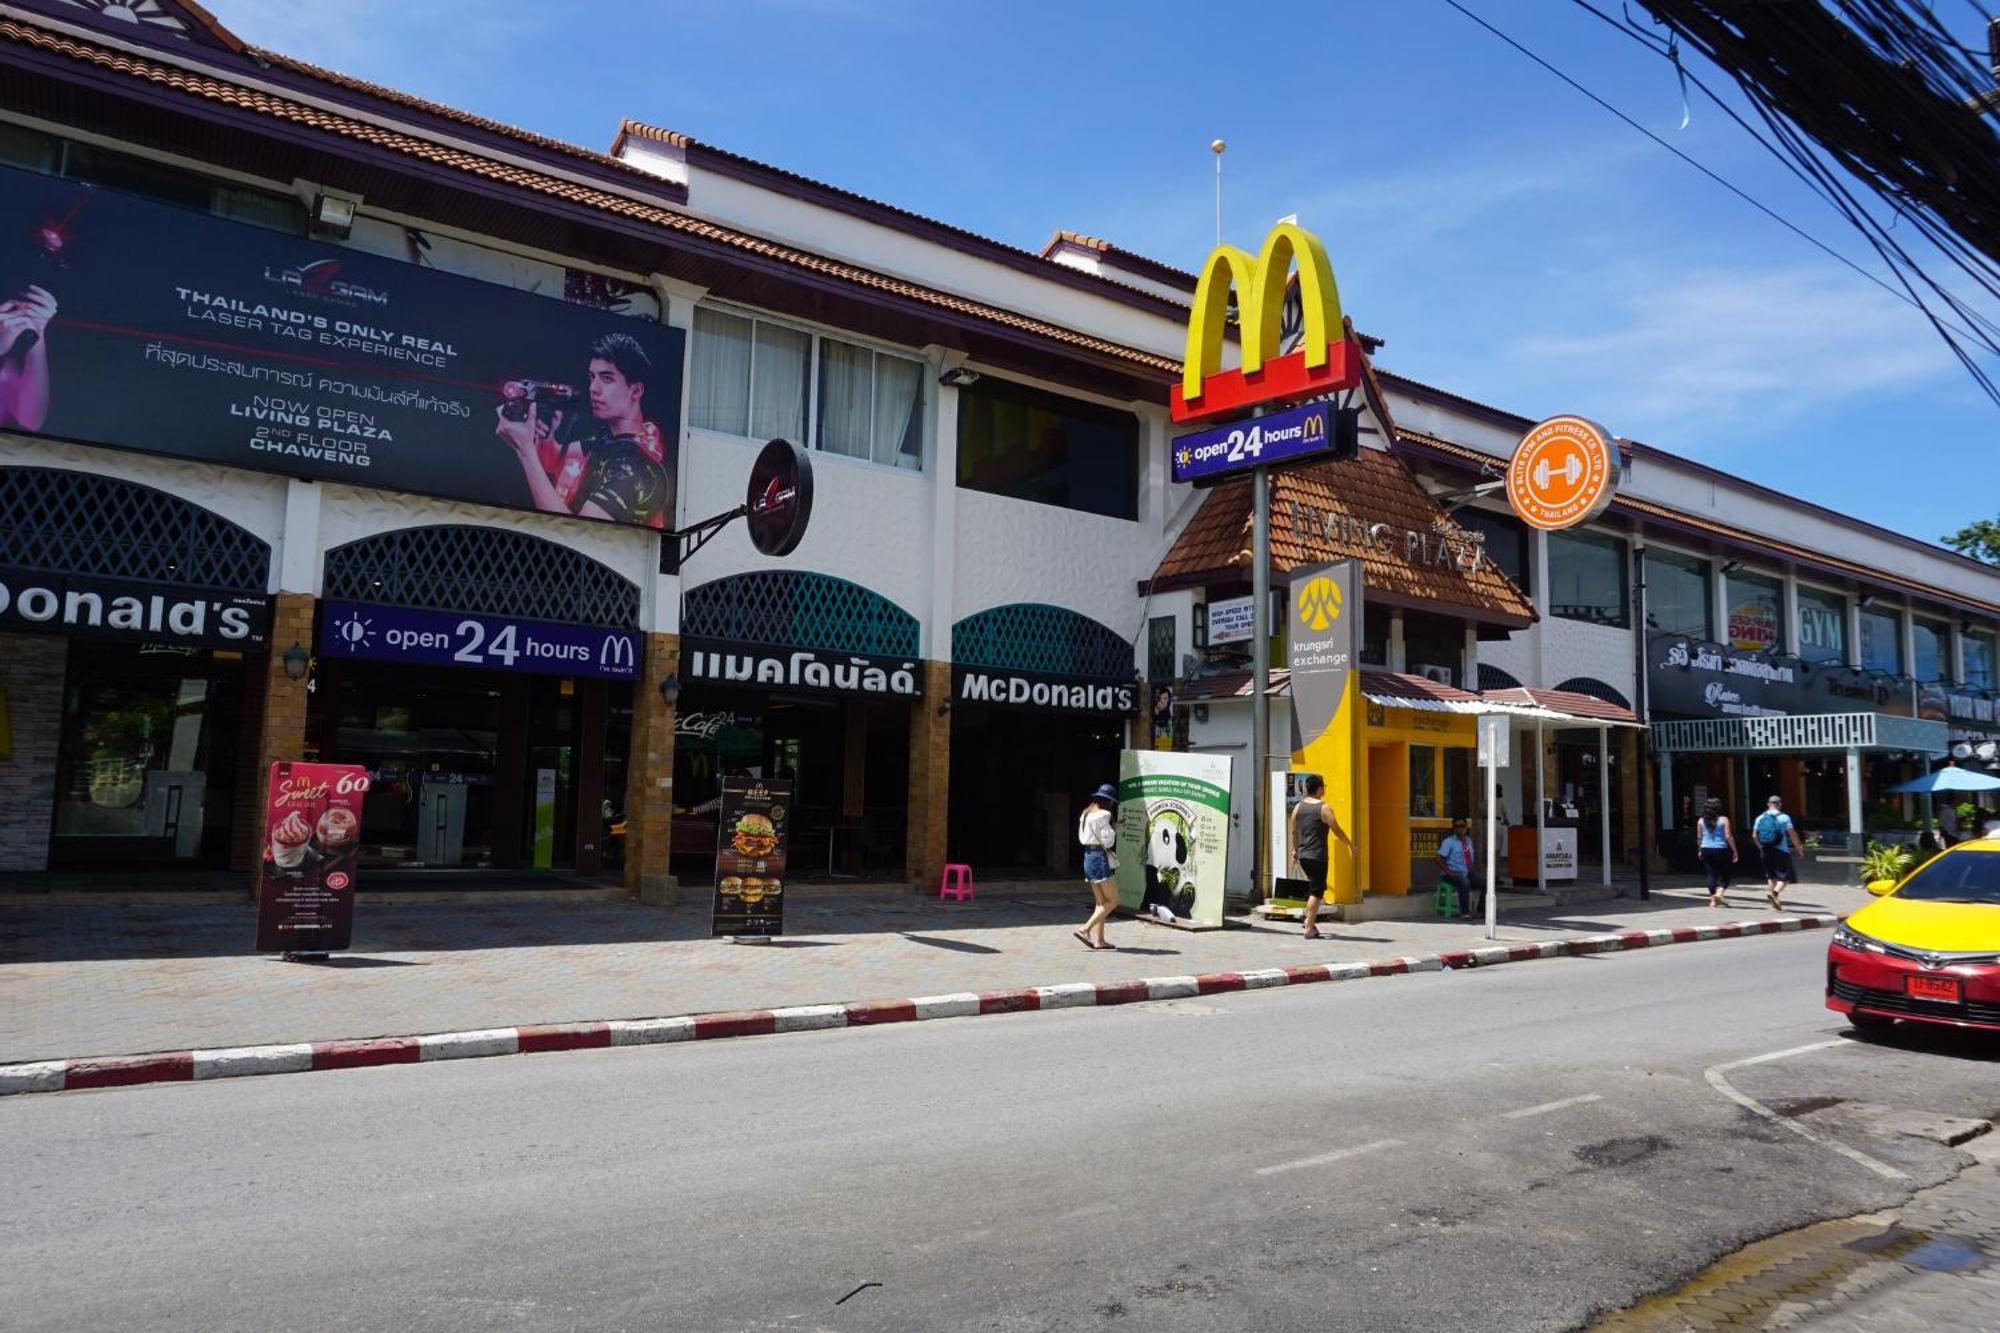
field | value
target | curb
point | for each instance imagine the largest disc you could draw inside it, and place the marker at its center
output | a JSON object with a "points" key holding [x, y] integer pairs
{"points": [[119, 1071]]}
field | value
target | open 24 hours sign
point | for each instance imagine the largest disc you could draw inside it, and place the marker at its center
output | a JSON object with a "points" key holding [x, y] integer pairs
{"points": [[455, 638], [1280, 437]]}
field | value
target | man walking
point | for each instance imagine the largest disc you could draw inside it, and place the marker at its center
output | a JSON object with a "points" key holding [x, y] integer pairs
{"points": [[1311, 822], [1777, 839], [1456, 858]]}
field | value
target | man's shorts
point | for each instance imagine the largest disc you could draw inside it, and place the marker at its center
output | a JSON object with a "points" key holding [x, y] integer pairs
{"points": [[1315, 873], [1778, 864]]}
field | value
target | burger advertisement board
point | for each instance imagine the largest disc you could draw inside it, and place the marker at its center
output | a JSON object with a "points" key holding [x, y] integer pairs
{"points": [[312, 839], [750, 858], [169, 332]]}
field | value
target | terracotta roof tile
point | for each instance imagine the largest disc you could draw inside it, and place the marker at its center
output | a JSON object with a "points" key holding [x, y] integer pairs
{"points": [[1374, 488], [1563, 701], [295, 112]]}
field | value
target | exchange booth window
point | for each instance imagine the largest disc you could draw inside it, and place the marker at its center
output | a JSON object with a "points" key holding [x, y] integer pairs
{"points": [[1022, 442], [1587, 578]]}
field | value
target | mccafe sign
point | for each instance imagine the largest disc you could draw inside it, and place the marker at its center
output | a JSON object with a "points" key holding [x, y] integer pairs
{"points": [[1694, 678], [1028, 689], [124, 609]]}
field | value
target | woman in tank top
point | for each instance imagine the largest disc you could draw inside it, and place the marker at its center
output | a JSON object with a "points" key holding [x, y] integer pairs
{"points": [[1717, 845]]}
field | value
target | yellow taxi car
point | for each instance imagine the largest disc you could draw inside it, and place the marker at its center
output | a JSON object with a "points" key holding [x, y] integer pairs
{"points": [[1929, 950]]}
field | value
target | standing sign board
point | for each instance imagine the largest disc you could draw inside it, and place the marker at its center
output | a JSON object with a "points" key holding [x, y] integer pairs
{"points": [[312, 839], [750, 858], [1173, 834], [1325, 641]]}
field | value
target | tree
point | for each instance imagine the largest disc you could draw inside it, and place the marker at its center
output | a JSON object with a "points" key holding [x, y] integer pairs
{"points": [[1980, 540]]}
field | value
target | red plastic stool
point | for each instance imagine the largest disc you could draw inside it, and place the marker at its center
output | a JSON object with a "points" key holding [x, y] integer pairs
{"points": [[956, 883]]}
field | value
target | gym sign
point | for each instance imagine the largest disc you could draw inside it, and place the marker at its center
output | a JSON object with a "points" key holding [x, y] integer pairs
{"points": [[1563, 473], [1327, 360]]}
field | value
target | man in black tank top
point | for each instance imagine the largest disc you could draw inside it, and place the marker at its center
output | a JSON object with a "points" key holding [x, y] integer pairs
{"points": [[1311, 821]]}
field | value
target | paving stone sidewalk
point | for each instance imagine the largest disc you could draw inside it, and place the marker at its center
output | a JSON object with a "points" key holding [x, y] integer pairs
{"points": [[90, 980]]}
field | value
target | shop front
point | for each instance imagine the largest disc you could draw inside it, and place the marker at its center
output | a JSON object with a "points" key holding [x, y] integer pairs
{"points": [[484, 679], [126, 671], [1041, 703], [810, 679]]}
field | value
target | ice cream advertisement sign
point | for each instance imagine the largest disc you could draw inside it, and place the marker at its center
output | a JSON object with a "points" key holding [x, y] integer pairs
{"points": [[312, 840]]}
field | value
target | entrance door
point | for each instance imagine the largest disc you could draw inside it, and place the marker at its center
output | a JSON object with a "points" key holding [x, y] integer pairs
{"points": [[431, 741], [1018, 779]]}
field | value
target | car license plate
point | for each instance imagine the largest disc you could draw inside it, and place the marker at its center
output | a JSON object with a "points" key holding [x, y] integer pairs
{"points": [[1932, 988]]}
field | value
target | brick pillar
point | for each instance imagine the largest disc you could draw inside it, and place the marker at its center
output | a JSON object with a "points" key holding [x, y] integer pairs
{"points": [[930, 778], [649, 780], [281, 727], [1630, 755], [32, 671]]}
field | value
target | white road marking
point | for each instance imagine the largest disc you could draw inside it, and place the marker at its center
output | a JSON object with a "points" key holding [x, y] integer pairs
{"points": [[1327, 1158], [1547, 1107], [1722, 1085]]}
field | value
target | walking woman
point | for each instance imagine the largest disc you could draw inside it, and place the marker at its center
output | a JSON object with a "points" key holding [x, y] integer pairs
{"points": [[1718, 849], [1097, 830]]}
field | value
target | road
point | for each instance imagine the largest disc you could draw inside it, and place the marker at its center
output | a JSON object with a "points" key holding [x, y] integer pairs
{"points": [[1510, 1149]]}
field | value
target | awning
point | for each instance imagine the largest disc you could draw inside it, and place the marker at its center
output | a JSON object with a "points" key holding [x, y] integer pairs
{"points": [[1391, 689]]}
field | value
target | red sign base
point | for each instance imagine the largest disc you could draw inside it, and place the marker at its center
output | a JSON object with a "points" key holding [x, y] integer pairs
{"points": [[1283, 379]]}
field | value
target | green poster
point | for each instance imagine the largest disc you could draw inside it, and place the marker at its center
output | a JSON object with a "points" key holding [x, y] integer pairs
{"points": [[1173, 834], [545, 818]]}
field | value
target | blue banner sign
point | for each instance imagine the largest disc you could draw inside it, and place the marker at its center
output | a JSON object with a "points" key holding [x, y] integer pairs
{"points": [[454, 638], [1281, 437]]}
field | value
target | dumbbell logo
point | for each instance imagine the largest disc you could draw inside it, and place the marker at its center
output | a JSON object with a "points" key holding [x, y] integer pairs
{"points": [[1571, 471]]}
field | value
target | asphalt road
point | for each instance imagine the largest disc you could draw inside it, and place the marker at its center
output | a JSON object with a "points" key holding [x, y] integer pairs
{"points": [[1509, 1149]]}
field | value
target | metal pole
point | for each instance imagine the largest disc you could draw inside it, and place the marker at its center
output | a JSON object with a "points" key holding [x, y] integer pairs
{"points": [[1260, 675], [1541, 817], [1492, 854], [1604, 800], [1645, 745], [1218, 147]]}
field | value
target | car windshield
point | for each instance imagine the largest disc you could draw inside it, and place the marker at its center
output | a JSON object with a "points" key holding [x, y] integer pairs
{"points": [[1957, 877]]}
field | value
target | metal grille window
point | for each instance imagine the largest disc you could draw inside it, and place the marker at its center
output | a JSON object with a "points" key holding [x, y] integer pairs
{"points": [[68, 522], [1160, 655], [785, 609], [1596, 689], [1034, 636], [492, 571]]}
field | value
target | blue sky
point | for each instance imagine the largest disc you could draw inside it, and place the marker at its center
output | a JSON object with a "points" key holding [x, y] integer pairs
{"points": [[1508, 239]]}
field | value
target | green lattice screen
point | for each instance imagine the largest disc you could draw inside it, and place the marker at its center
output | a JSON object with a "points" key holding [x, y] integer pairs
{"points": [[785, 608], [1034, 636]]}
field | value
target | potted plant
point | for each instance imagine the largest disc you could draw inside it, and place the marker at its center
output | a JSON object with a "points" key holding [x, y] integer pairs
{"points": [[1885, 864]]}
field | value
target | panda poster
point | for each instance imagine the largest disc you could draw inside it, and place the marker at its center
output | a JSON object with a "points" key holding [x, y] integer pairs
{"points": [[1173, 835]]}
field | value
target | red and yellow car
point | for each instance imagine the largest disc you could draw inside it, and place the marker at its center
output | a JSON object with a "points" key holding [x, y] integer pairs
{"points": [[1929, 950]]}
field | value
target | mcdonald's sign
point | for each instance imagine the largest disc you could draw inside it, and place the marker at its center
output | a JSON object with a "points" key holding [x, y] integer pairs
{"points": [[1326, 360]]}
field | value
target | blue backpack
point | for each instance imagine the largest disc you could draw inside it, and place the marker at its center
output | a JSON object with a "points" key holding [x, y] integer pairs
{"points": [[1769, 831]]}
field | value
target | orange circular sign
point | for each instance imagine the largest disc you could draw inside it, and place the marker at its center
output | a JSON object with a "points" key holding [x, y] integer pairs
{"points": [[1563, 474]]}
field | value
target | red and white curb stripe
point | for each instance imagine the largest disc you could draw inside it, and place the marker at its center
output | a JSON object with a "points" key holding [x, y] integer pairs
{"points": [[297, 1058]]}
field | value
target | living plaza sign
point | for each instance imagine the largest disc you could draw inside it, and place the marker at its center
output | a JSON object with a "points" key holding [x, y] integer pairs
{"points": [[123, 609], [1446, 545], [1327, 359], [1027, 689]]}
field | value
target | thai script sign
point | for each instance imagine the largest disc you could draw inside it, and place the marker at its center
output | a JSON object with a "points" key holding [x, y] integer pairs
{"points": [[760, 665]]}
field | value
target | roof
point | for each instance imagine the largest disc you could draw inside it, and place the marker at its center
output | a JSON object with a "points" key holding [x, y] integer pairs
{"points": [[1374, 488], [1119, 257], [1395, 689], [259, 101], [1632, 506]]}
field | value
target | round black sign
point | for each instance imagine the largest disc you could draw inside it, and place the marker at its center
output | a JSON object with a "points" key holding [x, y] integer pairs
{"points": [[781, 498]]}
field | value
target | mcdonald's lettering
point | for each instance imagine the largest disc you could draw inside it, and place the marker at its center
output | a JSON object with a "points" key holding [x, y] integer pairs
{"points": [[1327, 358], [1280, 437]]}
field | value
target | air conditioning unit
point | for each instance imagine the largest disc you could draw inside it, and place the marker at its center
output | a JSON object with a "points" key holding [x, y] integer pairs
{"points": [[1439, 674]]}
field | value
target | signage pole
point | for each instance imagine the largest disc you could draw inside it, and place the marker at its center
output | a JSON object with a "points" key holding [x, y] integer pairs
{"points": [[1260, 677], [1492, 853], [1644, 748]]}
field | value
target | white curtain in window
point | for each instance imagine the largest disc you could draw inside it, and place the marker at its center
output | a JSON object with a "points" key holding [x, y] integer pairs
{"points": [[899, 437], [846, 382], [719, 392], [778, 397]]}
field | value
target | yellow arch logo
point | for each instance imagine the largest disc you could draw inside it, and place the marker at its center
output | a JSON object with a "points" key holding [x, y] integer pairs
{"points": [[1319, 603]]}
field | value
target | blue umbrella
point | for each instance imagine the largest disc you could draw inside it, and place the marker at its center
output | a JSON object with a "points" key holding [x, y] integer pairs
{"points": [[1948, 779]]}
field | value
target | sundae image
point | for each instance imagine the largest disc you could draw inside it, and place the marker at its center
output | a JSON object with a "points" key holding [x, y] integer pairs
{"points": [[754, 836], [337, 829], [289, 837]]}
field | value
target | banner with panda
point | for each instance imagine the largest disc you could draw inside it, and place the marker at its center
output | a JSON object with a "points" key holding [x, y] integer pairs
{"points": [[1173, 835]]}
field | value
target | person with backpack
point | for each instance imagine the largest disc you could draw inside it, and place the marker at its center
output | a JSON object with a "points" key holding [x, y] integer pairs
{"points": [[1097, 831], [1716, 841], [1777, 839]]}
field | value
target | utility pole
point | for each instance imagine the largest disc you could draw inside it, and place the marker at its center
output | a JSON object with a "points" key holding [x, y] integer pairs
{"points": [[1218, 147]]}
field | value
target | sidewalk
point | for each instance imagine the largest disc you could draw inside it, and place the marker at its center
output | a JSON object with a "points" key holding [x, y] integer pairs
{"points": [[79, 981]]}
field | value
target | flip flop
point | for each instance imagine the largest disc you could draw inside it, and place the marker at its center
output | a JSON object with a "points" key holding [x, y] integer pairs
{"points": [[1083, 939]]}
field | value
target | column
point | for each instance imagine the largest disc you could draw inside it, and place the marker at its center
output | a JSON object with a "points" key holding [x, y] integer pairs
{"points": [[281, 728], [591, 706], [512, 783], [930, 778], [1855, 843], [1541, 813], [1604, 800], [649, 777]]}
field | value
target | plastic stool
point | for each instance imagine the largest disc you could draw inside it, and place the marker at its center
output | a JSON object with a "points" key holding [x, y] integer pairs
{"points": [[956, 883], [1444, 902]]}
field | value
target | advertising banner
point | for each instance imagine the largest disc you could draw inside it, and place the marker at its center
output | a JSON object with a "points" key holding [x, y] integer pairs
{"points": [[1298, 435], [1323, 623], [750, 858], [454, 638], [127, 609], [1232, 620], [312, 839], [171, 332], [1692, 678], [1173, 834]]}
